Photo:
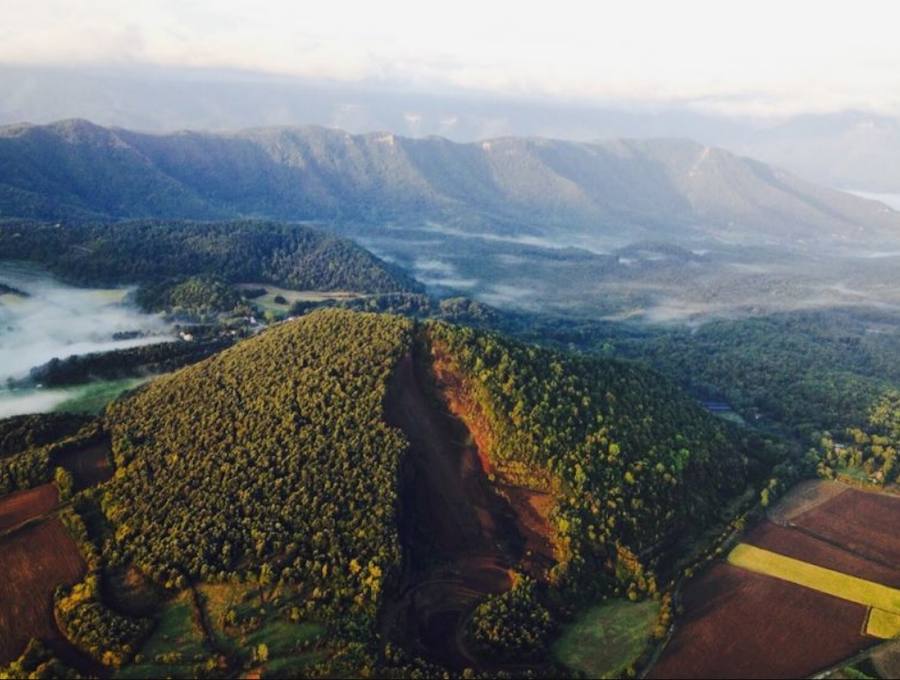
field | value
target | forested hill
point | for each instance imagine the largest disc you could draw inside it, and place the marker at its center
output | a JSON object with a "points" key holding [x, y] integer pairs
{"points": [[650, 189], [274, 454], [293, 256], [279, 483]]}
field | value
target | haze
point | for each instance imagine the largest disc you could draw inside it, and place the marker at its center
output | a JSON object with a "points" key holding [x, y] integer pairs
{"points": [[766, 57]]}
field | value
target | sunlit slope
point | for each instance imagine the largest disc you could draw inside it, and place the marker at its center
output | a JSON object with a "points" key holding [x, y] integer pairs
{"points": [[633, 463], [270, 459]]}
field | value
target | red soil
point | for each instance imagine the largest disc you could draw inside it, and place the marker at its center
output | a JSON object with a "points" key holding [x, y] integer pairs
{"points": [[861, 522], [460, 537], [21, 506], [33, 561], [530, 507], [532, 511], [802, 546], [739, 624]]}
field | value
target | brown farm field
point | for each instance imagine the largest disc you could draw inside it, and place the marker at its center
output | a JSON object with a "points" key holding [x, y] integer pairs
{"points": [[33, 561], [21, 506], [802, 546], [88, 465], [739, 623], [862, 522]]}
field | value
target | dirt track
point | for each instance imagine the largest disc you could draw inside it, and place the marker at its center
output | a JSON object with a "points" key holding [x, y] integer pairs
{"points": [[459, 536]]}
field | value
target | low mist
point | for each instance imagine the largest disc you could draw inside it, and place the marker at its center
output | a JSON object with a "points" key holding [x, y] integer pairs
{"points": [[54, 320]]}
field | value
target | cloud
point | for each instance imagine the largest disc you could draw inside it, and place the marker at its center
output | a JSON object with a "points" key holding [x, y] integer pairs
{"points": [[764, 57]]}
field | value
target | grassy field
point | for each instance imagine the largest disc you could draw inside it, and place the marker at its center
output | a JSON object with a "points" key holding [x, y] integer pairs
{"points": [[604, 640], [93, 397], [175, 646], [828, 581], [267, 302], [291, 645]]}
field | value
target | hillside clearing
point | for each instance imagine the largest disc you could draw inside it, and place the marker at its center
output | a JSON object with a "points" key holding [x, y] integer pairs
{"points": [[605, 640]]}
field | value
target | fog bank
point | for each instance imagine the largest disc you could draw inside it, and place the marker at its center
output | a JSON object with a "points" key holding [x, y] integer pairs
{"points": [[55, 320]]}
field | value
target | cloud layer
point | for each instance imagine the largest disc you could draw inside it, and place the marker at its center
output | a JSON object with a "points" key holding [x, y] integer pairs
{"points": [[764, 57]]}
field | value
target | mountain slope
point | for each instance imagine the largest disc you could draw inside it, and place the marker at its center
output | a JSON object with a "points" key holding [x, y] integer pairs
{"points": [[376, 477], [633, 462], [645, 189]]}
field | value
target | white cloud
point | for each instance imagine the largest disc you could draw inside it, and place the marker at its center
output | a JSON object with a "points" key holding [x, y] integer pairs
{"points": [[764, 56]]}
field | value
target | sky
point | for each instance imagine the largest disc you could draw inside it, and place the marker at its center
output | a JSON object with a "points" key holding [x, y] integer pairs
{"points": [[759, 58]]}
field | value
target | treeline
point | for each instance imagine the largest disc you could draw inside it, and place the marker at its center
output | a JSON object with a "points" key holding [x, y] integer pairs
{"points": [[18, 433], [871, 449], [123, 363], [416, 305], [513, 626], [10, 290], [806, 371], [37, 661], [109, 637], [201, 296], [30, 444], [269, 462], [152, 251]]}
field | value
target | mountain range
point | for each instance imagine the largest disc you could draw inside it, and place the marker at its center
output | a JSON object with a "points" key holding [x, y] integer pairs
{"points": [[843, 149], [575, 192]]}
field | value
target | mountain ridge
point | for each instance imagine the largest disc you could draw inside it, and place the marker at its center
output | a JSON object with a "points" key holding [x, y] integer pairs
{"points": [[645, 188]]}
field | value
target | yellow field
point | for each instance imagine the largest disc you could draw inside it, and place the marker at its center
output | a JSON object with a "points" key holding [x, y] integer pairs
{"points": [[882, 624], [827, 581]]}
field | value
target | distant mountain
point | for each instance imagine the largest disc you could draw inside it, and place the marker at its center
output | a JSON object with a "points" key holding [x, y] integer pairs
{"points": [[850, 150], [623, 190], [845, 149]]}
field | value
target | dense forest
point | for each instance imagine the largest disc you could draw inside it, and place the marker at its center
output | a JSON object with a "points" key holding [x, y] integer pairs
{"points": [[153, 251], [870, 448], [634, 462], [809, 371], [19, 433], [269, 461], [198, 296]]}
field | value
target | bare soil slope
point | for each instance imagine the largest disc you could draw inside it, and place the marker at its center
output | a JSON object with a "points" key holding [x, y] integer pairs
{"points": [[460, 537]]}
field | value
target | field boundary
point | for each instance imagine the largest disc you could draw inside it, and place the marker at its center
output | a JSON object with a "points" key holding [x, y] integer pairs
{"points": [[828, 581]]}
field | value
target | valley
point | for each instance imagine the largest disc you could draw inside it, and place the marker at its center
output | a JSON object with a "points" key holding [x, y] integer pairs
{"points": [[47, 320]]}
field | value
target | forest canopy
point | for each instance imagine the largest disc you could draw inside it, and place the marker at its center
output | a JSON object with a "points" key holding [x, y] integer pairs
{"points": [[151, 251]]}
